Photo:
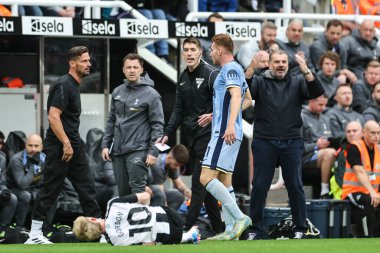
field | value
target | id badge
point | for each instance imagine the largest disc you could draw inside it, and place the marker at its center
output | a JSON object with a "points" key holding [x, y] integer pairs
{"points": [[372, 177]]}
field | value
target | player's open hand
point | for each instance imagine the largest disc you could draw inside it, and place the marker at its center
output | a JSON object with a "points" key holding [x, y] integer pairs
{"points": [[229, 135]]}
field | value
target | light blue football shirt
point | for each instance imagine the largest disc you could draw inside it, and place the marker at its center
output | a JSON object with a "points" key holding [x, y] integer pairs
{"points": [[231, 75]]}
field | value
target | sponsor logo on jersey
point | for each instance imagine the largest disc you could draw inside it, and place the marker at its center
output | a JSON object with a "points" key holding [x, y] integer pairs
{"points": [[232, 74]]}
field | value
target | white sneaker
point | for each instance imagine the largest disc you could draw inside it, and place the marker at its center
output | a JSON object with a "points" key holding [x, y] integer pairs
{"points": [[103, 239], [298, 235], [195, 236], [38, 240]]}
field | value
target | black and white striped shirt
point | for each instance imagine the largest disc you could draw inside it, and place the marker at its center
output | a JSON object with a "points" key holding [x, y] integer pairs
{"points": [[129, 223]]}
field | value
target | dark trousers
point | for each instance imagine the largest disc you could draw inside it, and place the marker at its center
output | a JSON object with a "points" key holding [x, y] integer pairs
{"points": [[200, 194], [363, 214], [174, 198], [7, 210], [288, 153], [169, 197], [131, 172], [176, 228], [54, 174], [24, 199]]}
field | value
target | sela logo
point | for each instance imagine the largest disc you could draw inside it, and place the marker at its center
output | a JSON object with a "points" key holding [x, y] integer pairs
{"points": [[7, 25], [190, 30], [245, 31], [53, 26], [239, 30], [61, 26], [143, 28], [101, 28], [134, 28]]}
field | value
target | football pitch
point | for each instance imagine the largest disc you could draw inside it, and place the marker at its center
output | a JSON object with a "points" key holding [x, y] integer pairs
{"points": [[351, 245]]}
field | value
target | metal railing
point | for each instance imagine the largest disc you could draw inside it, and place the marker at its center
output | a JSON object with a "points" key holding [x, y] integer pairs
{"points": [[92, 8], [280, 19]]}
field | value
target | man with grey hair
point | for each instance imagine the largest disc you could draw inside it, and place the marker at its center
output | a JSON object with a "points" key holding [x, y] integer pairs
{"points": [[278, 136], [249, 49], [293, 45]]}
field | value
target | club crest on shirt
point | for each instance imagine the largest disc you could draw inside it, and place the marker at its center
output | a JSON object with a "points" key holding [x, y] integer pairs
{"points": [[199, 81]]}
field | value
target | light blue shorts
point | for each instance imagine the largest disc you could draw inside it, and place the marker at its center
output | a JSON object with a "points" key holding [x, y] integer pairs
{"points": [[220, 156]]}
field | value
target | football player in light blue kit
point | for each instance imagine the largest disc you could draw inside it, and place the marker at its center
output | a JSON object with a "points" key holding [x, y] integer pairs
{"points": [[231, 96]]}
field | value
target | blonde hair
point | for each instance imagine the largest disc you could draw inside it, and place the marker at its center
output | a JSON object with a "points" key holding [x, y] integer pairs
{"points": [[86, 230], [224, 40]]}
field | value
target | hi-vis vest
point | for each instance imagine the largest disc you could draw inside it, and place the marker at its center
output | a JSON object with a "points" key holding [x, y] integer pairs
{"points": [[4, 12], [370, 7], [345, 6], [351, 183]]}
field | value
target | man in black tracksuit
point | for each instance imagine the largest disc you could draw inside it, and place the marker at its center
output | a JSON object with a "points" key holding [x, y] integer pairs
{"points": [[65, 151], [279, 97], [193, 110]]}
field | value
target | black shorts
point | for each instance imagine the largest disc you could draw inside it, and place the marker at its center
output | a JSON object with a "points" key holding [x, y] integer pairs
{"points": [[310, 160], [176, 228]]}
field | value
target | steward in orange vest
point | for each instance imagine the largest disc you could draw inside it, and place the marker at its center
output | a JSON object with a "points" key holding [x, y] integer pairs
{"points": [[4, 12], [362, 179], [348, 7], [370, 7], [345, 6]]}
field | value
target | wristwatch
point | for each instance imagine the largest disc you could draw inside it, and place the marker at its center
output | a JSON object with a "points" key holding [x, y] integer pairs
{"points": [[307, 72]]}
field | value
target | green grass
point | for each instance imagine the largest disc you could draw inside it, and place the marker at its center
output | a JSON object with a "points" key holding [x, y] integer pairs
{"points": [[270, 246]]}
